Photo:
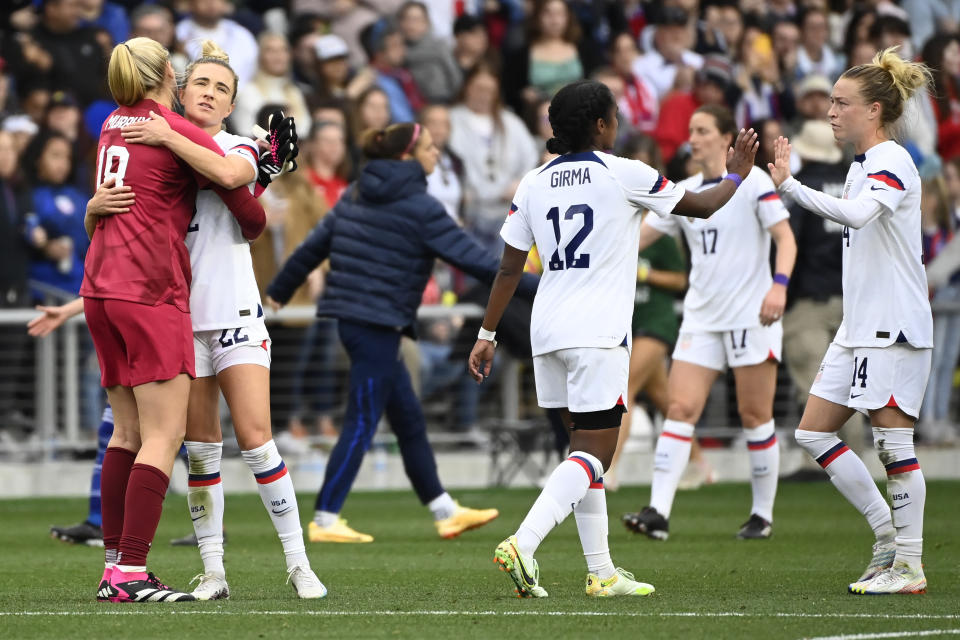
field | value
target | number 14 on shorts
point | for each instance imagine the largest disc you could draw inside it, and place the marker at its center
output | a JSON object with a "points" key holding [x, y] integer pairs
{"points": [[859, 374]]}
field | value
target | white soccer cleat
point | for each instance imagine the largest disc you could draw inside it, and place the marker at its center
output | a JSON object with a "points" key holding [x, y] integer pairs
{"points": [[900, 578], [305, 582], [883, 554], [213, 586]]}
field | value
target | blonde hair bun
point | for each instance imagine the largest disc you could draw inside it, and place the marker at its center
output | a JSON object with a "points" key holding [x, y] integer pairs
{"points": [[907, 76], [210, 49]]}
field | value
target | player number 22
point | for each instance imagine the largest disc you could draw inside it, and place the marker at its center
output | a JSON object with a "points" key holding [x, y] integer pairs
{"points": [[114, 154], [573, 261]]}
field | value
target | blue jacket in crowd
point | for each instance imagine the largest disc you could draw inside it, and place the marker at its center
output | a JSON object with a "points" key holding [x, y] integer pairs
{"points": [[382, 238], [59, 209]]}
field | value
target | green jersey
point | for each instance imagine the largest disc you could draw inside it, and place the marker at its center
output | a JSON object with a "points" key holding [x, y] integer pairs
{"points": [[653, 313]]}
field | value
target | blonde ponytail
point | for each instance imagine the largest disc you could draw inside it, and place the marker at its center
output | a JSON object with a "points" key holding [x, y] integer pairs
{"points": [[136, 67], [890, 81], [210, 52]]}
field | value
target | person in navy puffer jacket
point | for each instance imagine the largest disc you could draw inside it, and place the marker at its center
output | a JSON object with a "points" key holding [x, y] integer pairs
{"points": [[382, 238]]}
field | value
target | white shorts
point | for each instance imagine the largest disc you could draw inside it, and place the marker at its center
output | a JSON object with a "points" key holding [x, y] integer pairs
{"points": [[218, 349], [737, 348], [582, 379], [865, 378]]}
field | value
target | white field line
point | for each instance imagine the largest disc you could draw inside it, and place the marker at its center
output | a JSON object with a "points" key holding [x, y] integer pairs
{"points": [[164, 609], [893, 634]]}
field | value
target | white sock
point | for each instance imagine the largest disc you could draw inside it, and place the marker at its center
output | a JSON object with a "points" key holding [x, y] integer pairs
{"points": [[593, 527], [325, 518], [110, 558], [279, 499], [565, 488], [442, 507], [670, 459], [131, 568], [764, 454], [205, 499], [849, 475], [906, 488]]}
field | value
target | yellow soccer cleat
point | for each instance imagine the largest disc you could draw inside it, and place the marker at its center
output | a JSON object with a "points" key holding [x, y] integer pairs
{"points": [[621, 583], [337, 532], [525, 572], [464, 519]]}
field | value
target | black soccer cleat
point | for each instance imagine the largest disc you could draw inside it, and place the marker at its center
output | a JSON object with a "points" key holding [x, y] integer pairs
{"points": [[756, 528], [648, 522], [84, 533], [144, 587]]}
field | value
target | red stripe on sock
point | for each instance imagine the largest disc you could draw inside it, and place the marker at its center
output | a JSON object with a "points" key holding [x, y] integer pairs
{"points": [[836, 454], [759, 446], [585, 466], [899, 470], [676, 436], [204, 483], [276, 476], [596, 485]]}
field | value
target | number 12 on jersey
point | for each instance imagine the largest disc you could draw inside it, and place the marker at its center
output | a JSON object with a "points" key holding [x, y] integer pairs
{"points": [[571, 259]]}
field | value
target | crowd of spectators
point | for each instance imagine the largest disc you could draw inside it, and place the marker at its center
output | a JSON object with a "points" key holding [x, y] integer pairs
{"points": [[479, 75]]}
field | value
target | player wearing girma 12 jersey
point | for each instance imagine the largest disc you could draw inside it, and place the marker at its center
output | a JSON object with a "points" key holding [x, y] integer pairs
{"points": [[731, 318], [879, 361], [582, 210], [136, 292], [230, 339]]}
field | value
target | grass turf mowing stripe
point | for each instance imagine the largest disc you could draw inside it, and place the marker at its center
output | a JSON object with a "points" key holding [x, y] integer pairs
{"points": [[893, 634], [629, 614]]}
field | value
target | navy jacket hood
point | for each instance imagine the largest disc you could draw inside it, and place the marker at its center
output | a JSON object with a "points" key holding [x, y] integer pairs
{"points": [[390, 180]]}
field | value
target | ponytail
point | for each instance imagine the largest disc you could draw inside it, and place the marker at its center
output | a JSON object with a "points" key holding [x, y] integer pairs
{"points": [[391, 143], [136, 67]]}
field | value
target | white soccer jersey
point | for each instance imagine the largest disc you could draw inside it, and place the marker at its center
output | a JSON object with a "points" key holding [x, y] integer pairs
{"points": [[582, 211], [729, 254], [884, 282], [224, 292]]}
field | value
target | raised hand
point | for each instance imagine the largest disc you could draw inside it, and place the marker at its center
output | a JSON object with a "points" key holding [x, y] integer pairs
{"points": [[780, 167], [741, 154]]}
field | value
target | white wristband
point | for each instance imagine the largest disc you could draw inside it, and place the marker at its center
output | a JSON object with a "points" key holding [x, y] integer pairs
{"points": [[487, 335]]}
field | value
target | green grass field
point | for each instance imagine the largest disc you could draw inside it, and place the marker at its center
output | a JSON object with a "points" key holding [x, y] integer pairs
{"points": [[409, 583]]}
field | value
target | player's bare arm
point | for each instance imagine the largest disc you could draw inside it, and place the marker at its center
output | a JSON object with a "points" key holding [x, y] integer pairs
{"points": [[53, 317], [504, 285], [739, 162], [649, 235], [229, 172], [776, 299]]}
